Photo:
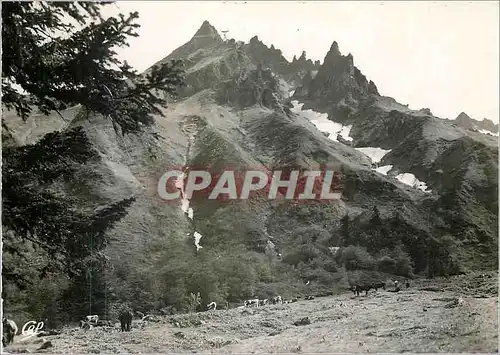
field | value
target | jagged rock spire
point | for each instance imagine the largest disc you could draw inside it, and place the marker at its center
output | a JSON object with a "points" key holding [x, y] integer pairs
{"points": [[334, 49], [333, 56]]}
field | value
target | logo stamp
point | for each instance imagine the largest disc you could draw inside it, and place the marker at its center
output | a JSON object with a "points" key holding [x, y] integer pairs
{"points": [[31, 329]]}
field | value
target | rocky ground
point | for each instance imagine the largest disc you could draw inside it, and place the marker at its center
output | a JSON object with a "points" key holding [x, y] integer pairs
{"points": [[454, 315]]}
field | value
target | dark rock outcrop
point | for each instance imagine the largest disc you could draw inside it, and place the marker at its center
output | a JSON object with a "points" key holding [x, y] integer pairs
{"points": [[270, 58], [257, 86], [338, 87]]}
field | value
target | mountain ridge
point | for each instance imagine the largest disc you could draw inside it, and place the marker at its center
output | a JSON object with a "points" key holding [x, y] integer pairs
{"points": [[466, 121], [418, 190]]}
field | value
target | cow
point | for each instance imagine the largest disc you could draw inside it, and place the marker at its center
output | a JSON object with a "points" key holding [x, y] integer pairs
{"points": [[407, 284], [396, 286], [126, 320], [277, 300], [149, 318], [263, 302], [9, 331], [254, 302], [378, 285], [358, 289], [92, 319], [85, 325], [104, 323], [212, 306]]}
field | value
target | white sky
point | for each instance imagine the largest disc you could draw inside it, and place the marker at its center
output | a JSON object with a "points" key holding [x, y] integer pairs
{"points": [[440, 55]]}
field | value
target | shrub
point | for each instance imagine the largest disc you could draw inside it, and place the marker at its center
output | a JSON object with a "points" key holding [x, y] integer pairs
{"points": [[356, 258], [386, 264], [403, 263]]}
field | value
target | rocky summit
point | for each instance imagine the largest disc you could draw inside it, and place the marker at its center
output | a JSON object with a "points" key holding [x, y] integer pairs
{"points": [[419, 192]]}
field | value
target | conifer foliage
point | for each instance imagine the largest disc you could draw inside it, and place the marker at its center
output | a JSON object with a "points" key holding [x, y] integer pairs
{"points": [[80, 67], [62, 54]]}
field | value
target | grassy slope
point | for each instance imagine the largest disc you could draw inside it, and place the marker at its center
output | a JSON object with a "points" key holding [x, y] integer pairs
{"points": [[413, 320]]}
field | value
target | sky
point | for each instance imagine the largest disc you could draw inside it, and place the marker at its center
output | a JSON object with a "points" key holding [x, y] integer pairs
{"points": [[438, 55]]}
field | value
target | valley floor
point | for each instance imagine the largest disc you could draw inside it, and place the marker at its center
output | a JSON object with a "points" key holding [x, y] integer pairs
{"points": [[419, 319]]}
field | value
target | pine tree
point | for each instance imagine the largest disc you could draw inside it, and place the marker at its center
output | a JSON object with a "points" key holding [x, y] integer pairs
{"points": [[80, 68], [56, 72]]}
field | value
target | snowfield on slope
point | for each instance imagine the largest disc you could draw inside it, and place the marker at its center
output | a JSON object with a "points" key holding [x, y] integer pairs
{"points": [[383, 169], [334, 129], [375, 154], [410, 180], [322, 123], [484, 131]]}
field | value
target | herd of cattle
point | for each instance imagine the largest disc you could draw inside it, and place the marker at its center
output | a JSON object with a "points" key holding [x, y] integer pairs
{"points": [[10, 328], [356, 289]]}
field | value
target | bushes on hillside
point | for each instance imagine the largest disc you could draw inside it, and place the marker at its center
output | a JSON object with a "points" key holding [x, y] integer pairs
{"points": [[386, 264], [356, 258], [304, 253], [442, 257], [395, 261]]}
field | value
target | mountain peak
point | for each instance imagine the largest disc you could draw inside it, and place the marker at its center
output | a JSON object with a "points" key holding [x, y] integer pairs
{"points": [[464, 120], [207, 31], [463, 115], [334, 48], [333, 55], [339, 80], [255, 40]]}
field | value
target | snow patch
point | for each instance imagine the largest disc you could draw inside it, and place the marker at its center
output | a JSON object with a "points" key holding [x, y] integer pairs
{"points": [[344, 133], [375, 154], [411, 180], [179, 183], [197, 237], [485, 131], [322, 123], [383, 169]]}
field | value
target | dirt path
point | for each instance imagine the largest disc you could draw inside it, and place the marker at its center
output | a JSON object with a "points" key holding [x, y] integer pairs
{"points": [[409, 321]]}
